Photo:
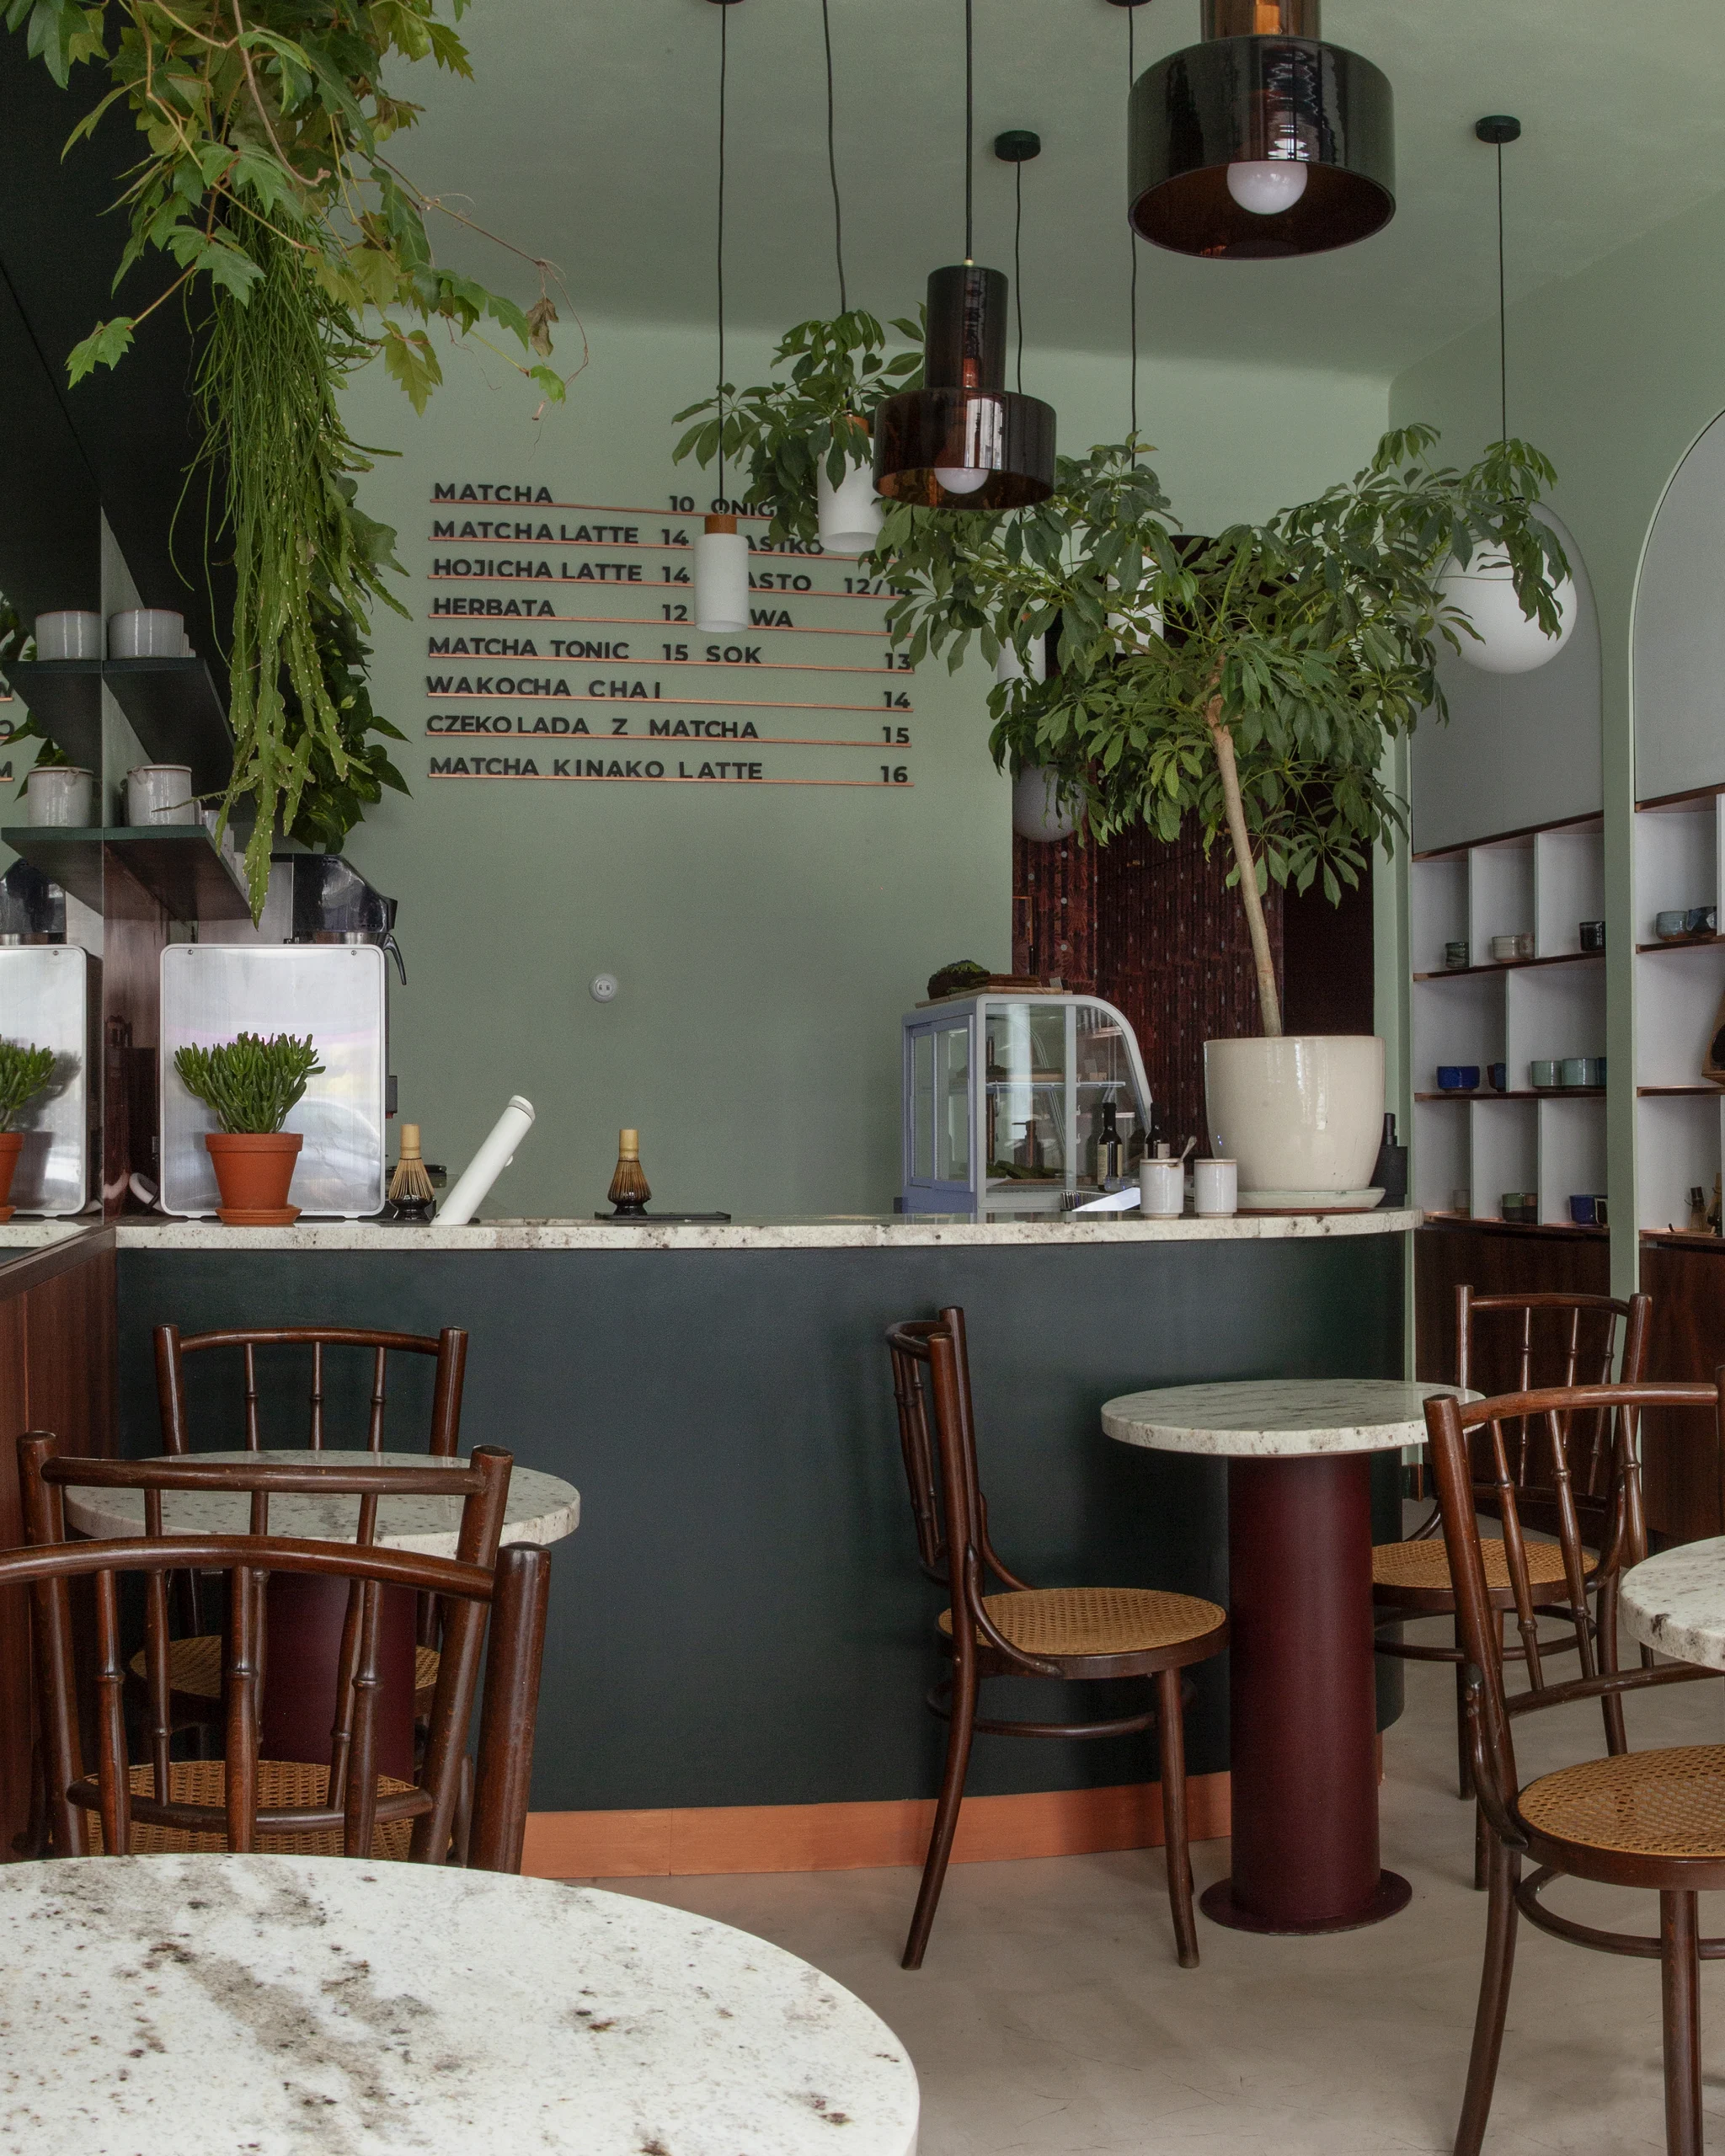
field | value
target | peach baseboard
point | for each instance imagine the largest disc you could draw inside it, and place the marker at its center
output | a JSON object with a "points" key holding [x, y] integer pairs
{"points": [[855, 1837]]}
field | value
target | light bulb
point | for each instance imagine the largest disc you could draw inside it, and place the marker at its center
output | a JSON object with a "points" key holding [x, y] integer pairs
{"points": [[721, 576], [1267, 185], [963, 478]]}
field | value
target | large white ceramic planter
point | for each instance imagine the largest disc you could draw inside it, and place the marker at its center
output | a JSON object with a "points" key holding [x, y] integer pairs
{"points": [[1304, 1115]]}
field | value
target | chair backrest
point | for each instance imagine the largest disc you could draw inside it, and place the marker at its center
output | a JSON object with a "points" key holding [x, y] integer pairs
{"points": [[478, 1578], [449, 1347], [1514, 1343], [1456, 1431]]}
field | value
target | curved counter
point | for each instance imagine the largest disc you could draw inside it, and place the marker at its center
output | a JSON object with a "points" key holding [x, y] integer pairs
{"points": [[742, 1620]]}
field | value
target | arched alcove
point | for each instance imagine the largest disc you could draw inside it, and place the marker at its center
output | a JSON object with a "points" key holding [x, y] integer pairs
{"points": [[1678, 642]]}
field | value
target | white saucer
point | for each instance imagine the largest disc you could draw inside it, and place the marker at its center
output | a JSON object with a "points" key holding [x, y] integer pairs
{"points": [[1309, 1201]]}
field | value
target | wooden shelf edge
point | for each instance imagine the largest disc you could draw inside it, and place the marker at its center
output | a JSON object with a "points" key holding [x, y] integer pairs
{"points": [[1518, 965], [1681, 1238], [1593, 820], [1680, 942], [1538, 1093], [1511, 1227], [1703, 1089]]}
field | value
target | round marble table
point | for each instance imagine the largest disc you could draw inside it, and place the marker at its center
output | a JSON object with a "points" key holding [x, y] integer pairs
{"points": [[1675, 1603], [1302, 1694], [295, 2002], [306, 1614]]}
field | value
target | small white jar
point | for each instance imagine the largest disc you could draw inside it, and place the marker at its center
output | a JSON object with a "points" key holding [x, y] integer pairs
{"points": [[159, 793], [1162, 1189], [147, 632], [69, 634], [60, 795], [1217, 1186]]}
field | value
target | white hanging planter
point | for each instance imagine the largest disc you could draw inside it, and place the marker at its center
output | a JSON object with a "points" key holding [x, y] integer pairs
{"points": [[1044, 809], [1009, 667], [850, 512], [1510, 641], [721, 576]]}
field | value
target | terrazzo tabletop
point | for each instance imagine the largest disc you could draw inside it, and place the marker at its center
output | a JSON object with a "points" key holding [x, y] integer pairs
{"points": [[1675, 1601], [184, 2005], [1275, 1419], [542, 1508]]}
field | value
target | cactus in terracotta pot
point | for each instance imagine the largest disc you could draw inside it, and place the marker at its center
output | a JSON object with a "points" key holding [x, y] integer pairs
{"points": [[24, 1072], [251, 1085]]}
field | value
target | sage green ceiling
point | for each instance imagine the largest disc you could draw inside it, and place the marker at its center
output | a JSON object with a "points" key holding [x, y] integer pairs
{"points": [[590, 135]]}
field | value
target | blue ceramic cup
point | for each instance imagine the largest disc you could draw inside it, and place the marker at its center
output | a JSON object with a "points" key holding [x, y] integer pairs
{"points": [[1457, 1077], [1498, 1076], [1581, 1211]]}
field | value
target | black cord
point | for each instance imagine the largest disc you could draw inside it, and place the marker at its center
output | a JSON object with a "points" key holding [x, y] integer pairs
{"points": [[1502, 318], [969, 158], [832, 165], [1017, 264], [1131, 229], [724, 19]]}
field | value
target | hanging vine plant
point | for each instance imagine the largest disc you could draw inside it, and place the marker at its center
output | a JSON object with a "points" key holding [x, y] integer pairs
{"points": [[303, 252]]}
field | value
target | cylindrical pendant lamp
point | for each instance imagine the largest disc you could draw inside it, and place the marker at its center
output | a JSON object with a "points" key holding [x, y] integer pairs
{"points": [[1262, 140], [721, 576], [965, 441], [850, 513]]}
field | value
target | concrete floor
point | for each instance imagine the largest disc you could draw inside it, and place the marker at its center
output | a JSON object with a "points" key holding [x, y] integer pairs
{"points": [[1051, 2017]]}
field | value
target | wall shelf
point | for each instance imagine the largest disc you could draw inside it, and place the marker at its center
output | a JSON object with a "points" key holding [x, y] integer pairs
{"points": [[1680, 863], [1678, 942], [171, 704], [64, 697], [178, 865], [1518, 965], [1540, 1093]]}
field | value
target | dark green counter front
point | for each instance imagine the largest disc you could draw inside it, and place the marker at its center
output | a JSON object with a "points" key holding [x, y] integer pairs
{"points": [[740, 1619]]}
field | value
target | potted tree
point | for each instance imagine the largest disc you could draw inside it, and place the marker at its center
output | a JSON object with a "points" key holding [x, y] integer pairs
{"points": [[805, 437], [251, 1085], [1253, 681], [24, 1072]]}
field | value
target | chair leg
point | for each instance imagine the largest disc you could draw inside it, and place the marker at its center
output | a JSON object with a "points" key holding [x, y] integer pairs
{"points": [[1171, 1735], [946, 1815], [1605, 1635], [1494, 2000], [1679, 1971], [1481, 1850], [1464, 1749]]}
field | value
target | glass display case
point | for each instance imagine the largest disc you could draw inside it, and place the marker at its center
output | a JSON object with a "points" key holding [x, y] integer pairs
{"points": [[1019, 1103]]}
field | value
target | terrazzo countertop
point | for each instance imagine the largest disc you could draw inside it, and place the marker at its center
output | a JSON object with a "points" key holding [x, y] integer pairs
{"points": [[18, 1238], [893, 1232], [1675, 1601], [1275, 1417], [170, 2005]]}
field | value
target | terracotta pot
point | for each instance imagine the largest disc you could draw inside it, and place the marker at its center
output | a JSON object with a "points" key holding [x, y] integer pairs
{"points": [[11, 1146], [252, 1171]]}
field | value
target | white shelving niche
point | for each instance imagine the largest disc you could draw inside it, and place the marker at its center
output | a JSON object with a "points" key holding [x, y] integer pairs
{"points": [[1485, 1144], [1680, 859]]}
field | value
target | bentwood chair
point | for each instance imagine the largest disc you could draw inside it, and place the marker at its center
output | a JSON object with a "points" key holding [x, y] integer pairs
{"points": [[195, 1657], [1564, 1339], [242, 1803], [1067, 1633], [1651, 1819]]}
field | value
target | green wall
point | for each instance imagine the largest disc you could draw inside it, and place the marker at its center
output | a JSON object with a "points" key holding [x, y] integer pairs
{"points": [[766, 941], [1614, 372]]}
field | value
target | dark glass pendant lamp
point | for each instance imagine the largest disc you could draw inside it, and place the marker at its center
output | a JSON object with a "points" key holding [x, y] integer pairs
{"points": [[964, 440], [1261, 141]]}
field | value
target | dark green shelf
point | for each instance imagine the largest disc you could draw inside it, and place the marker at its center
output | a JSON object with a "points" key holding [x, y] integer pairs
{"points": [[171, 704], [177, 864], [64, 697]]}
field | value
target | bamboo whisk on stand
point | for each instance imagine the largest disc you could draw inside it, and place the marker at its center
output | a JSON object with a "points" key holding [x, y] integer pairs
{"points": [[410, 1195], [629, 1192]]}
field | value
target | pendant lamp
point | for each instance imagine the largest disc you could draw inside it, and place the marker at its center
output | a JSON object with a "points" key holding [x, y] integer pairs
{"points": [[849, 514], [721, 552], [1261, 141], [1510, 641], [964, 440], [1044, 810]]}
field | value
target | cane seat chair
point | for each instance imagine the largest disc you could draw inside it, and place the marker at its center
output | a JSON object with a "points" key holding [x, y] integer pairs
{"points": [[1593, 1473], [344, 1807], [195, 1657], [1067, 1633], [1651, 1819]]}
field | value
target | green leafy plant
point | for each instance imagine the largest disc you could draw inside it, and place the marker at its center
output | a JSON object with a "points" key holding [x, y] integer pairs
{"points": [[1253, 681], [266, 184], [250, 1083], [24, 1072], [819, 413]]}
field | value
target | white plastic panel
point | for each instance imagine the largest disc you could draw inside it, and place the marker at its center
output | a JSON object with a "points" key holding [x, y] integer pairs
{"points": [[1676, 863], [335, 993], [1569, 887], [1505, 1153], [47, 1000], [1678, 1150], [1440, 1163], [1572, 1154]]}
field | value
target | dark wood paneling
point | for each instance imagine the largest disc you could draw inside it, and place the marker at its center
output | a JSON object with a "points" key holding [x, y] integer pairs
{"points": [[1681, 1466], [1498, 1261], [1327, 985]]}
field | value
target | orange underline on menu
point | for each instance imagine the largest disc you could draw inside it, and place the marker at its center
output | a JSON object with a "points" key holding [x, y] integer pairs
{"points": [[736, 785], [763, 591], [688, 743], [692, 703], [605, 508], [637, 545], [641, 621]]}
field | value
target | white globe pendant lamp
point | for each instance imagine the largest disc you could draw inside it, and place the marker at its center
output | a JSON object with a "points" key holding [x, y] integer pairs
{"points": [[721, 576], [850, 513], [1044, 809], [1507, 640]]}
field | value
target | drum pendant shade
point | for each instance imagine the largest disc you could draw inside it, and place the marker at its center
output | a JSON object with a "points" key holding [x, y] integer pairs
{"points": [[1254, 100], [965, 441]]}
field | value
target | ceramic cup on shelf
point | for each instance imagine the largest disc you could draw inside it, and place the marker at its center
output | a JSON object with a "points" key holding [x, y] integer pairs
{"points": [[1461, 1201], [1505, 947], [1458, 1077], [60, 795], [1602, 1211], [1162, 1189], [1498, 1076], [1669, 924], [1541, 1073], [1455, 955], [1593, 934], [1581, 1209], [1592, 1069], [69, 635], [147, 632], [1216, 1184], [1572, 1070], [159, 793], [1700, 920], [1523, 944]]}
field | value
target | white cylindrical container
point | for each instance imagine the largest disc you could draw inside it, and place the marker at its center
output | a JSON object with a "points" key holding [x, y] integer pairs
{"points": [[60, 794], [849, 512], [1042, 809], [69, 635], [1216, 1185], [1162, 1189], [721, 581], [473, 1184], [1303, 1115], [147, 632], [159, 793]]}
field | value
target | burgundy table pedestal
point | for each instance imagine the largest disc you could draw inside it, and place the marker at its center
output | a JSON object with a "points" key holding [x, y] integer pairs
{"points": [[1301, 1688], [304, 1621]]}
